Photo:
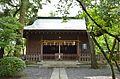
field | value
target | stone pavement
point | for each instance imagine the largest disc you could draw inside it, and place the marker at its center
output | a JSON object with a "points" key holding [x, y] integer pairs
{"points": [[68, 73], [55, 74], [36, 72], [66, 70], [88, 73], [59, 73]]}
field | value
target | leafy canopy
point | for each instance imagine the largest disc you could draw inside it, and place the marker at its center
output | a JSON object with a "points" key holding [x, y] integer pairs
{"points": [[9, 31]]}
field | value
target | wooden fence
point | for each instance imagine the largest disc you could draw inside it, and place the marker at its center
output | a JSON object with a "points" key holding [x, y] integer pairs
{"points": [[84, 57], [32, 57]]}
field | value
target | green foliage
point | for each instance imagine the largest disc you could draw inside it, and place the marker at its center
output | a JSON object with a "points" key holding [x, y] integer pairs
{"points": [[10, 66], [106, 14], [10, 34], [8, 30], [102, 43], [9, 7], [13, 8]]}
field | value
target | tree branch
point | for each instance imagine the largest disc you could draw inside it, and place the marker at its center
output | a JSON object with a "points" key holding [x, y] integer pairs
{"points": [[101, 49], [95, 21], [17, 10], [106, 43], [13, 5]]}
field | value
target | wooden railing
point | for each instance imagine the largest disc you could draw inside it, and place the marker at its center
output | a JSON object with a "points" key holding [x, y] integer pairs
{"points": [[83, 58], [62, 56], [32, 57], [37, 57], [69, 57], [48, 56]]}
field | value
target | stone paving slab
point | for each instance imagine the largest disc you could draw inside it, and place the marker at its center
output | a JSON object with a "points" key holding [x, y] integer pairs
{"points": [[55, 73], [59, 73], [63, 74]]}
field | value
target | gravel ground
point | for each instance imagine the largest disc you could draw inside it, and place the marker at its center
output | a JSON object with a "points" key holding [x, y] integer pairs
{"points": [[37, 73], [87, 73]]}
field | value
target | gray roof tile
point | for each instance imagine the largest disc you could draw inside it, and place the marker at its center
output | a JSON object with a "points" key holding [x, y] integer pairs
{"points": [[57, 24]]}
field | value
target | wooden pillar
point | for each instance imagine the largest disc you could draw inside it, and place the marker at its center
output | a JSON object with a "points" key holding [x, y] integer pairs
{"points": [[41, 51], [41, 54], [78, 47], [59, 57], [78, 50]]}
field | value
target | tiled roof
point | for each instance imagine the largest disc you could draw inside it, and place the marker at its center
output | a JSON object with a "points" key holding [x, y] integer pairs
{"points": [[57, 24]]}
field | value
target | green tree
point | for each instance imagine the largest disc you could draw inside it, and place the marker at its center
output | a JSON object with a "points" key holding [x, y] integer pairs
{"points": [[8, 32], [104, 19], [23, 10]]}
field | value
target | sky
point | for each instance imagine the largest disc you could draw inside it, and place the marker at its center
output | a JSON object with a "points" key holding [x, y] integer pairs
{"points": [[52, 7], [48, 8]]}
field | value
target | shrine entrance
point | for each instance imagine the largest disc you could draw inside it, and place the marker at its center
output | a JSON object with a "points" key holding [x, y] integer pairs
{"points": [[60, 49]]}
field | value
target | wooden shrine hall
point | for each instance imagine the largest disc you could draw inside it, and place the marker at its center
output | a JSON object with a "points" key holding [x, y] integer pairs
{"points": [[50, 38]]}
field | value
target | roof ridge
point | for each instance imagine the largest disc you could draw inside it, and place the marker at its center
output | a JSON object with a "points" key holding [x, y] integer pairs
{"points": [[57, 17]]}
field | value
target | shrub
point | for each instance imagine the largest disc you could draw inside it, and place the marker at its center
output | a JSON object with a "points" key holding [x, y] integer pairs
{"points": [[10, 66]]}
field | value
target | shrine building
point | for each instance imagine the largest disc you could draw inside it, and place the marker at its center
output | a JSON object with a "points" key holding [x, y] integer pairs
{"points": [[52, 38]]}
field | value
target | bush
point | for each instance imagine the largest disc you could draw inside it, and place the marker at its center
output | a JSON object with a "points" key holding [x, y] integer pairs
{"points": [[10, 66]]}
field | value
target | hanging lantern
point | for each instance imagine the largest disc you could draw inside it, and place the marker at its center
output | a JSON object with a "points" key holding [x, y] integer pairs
{"points": [[54, 43], [73, 43], [64, 43]]}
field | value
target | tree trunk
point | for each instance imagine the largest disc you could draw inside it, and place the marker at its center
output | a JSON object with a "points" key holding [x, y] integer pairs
{"points": [[118, 57], [118, 52], [108, 60], [23, 9], [115, 60], [112, 70], [94, 63], [1, 52]]}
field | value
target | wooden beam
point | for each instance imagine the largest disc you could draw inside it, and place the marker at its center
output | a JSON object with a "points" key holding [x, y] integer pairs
{"points": [[59, 41]]}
